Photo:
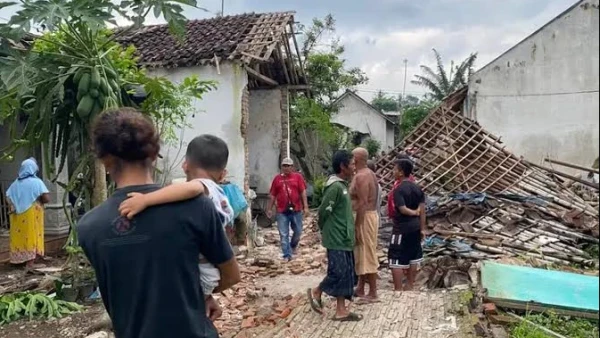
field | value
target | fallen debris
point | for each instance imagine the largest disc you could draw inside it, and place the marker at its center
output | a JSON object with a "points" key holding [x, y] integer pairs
{"points": [[487, 203]]}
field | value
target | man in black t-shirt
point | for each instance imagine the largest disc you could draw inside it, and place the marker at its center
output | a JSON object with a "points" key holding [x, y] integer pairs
{"points": [[147, 267], [405, 253]]}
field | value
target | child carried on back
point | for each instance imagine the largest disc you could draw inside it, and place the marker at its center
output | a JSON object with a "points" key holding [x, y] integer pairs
{"points": [[205, 162]]}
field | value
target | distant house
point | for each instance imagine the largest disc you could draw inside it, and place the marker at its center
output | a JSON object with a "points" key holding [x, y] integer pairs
{"points": [[253, 57], [541, 96], [358, 115]]}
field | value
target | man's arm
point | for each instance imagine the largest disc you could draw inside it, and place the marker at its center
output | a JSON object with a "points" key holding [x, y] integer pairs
{"points": [[213, 243], [45, 198], [230, 275], [400, 204], [302, 186], [272, 198], [361, 192], [423, 217], [137, 202], [330, 198], [409, 212]]}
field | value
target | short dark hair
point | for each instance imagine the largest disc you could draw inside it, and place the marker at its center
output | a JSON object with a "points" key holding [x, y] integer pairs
{"points": [[403, 156], [406, 166], [341, 157], [208, 152], [126, 134]]}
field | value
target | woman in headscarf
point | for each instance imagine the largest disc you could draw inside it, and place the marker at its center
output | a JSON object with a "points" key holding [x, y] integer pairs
{"points": [[26, 196]]}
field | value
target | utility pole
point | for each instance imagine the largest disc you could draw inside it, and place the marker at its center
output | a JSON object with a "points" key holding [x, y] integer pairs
{"points": [[222, 8], [405, 70]]}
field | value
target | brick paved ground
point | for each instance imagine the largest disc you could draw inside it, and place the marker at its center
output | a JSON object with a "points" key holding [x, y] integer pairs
{"points": [[409, 314]]}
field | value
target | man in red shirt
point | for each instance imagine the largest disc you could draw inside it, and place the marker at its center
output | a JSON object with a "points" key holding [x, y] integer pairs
{"points": [[288, 193]]}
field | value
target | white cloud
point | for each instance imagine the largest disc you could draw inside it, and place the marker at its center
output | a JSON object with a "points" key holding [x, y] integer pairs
{"points": [[380, 54]]}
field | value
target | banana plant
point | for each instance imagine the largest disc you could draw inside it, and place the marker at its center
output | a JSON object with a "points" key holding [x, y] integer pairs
{"points": [[68, 77]]}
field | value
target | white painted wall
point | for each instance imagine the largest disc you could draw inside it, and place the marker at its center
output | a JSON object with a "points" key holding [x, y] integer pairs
{"points": [[354, 114], [218, 113], [542, 96], [264, 137], [390, 138]]}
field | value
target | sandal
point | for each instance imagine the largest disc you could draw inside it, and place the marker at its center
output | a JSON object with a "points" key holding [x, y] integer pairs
{"points": [[351, 317], [315, 304]]}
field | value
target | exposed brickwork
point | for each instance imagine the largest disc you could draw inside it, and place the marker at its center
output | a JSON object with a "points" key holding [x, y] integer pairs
{"points": [[285, 121], [244, 132], [243, 221]]}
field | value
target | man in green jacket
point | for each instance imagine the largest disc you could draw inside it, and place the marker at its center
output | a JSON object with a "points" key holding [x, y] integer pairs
{"points": [[337, 229]]}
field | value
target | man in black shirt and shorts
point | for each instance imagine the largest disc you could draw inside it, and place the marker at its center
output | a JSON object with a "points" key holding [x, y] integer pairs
{"points": [[405, 253]]}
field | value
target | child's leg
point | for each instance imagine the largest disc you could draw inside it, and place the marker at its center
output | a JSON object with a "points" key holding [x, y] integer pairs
{"points": [[398, 277]]}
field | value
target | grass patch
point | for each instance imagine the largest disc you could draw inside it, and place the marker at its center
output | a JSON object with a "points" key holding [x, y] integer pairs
{"points": [[566, 326]]}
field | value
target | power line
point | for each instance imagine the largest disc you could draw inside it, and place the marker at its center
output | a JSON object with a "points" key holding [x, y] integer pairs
{"points": [[385, 91], [541, 94]]}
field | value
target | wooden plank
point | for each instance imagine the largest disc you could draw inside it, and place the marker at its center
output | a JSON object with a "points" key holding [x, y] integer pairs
{"points": [[573, 166], [261, 77], [556, 172]]}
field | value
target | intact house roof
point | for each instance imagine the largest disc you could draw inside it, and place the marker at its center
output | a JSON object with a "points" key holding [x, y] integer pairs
{"points": [[264, 43], [367, 104]]}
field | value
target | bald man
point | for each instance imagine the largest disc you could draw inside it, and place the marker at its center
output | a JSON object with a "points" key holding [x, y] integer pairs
{"points": [[363, 192]]}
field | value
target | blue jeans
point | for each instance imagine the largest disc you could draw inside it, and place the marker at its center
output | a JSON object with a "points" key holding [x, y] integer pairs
{"points": [[284, 223]]}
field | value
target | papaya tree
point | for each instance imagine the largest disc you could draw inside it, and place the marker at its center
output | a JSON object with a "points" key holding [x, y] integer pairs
{"points": [[73, 71]]}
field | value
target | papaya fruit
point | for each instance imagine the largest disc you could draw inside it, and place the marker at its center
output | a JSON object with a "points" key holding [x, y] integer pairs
{"points": [[95, 79], [113, 84], [78, 74], [84, 108], [110, 73], [84, 83], [80, 95], [94, 93], [104, 86]]}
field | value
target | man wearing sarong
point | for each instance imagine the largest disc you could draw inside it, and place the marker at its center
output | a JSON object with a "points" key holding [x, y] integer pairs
{"points": [[336, 223], [363, 192]]}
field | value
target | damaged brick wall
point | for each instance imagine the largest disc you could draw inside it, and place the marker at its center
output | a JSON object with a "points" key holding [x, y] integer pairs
{"points": [[244, 132], [285, 122]]}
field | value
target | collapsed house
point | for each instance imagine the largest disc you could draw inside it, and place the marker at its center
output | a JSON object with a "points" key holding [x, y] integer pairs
{"points": [[486, 203]]}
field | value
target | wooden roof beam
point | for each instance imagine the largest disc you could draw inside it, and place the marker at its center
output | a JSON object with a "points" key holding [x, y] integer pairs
{"points": [[261, 77]]}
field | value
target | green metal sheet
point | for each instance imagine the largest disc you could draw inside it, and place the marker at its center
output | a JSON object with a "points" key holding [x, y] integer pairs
{"points": [[550, 288]]}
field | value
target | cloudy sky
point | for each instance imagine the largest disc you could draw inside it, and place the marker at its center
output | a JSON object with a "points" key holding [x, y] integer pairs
{"points": [[379, 34]]}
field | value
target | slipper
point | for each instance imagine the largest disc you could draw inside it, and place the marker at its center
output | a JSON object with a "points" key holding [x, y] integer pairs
{"points": [[351, 317], [315, 304]]}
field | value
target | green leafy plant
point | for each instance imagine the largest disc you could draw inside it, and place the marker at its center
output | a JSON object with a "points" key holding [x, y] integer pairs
{"points": [[311, 131], [443, 82], [372, 146], [412, 116], [71, 74], [33, 305], [564, 325], [318, 189]]}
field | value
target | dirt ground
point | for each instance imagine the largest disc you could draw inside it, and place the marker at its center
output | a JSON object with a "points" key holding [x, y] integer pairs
{"points": [[75, 326]]}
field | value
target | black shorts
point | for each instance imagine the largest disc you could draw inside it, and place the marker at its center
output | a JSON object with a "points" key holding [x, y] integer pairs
{"points": [[405, 250]]}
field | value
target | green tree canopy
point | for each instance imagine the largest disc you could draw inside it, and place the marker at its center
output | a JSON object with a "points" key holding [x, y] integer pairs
{"points": [[311, 130], [385, 102], [75, 71]]}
